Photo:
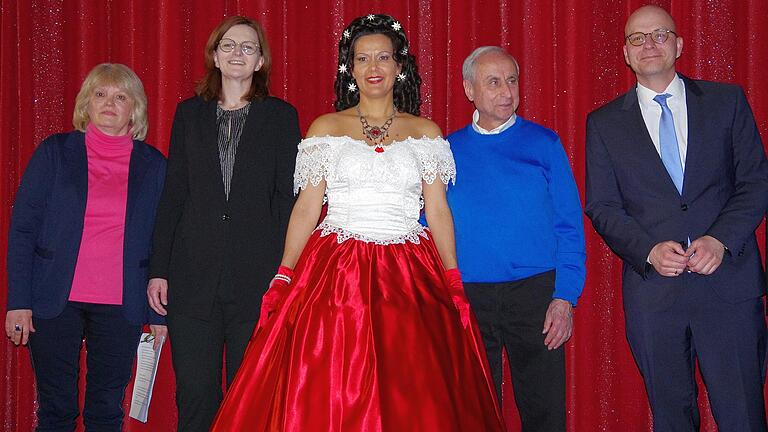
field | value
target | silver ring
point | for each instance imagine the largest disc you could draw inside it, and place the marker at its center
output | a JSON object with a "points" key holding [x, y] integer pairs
{"points": [[17, 327]]}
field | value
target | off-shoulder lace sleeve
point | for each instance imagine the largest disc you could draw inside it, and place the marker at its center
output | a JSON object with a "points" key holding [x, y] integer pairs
{"points": [[436, 160], [313, 162]]}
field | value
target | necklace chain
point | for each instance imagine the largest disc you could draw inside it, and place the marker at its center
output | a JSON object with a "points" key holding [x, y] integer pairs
{"points": [[376, 134]]}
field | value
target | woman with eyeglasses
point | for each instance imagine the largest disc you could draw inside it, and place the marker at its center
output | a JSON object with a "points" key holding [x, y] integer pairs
{"points": [[223, 215], [78, 247]]}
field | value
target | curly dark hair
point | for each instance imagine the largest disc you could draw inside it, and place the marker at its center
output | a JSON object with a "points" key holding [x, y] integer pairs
{"points": [[407, 92]]}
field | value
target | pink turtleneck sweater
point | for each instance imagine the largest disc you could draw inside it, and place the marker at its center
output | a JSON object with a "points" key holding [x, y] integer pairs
{"points": [[99, 270]]}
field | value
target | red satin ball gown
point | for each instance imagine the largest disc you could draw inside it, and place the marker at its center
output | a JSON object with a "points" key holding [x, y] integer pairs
{"points": [[368, 338]]}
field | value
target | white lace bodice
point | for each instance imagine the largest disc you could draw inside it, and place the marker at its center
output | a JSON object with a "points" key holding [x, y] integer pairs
{"points": [[373, 197]]}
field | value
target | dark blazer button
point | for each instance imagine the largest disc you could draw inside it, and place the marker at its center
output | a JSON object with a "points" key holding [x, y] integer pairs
{"points": [[225, 217], [684, 207]]}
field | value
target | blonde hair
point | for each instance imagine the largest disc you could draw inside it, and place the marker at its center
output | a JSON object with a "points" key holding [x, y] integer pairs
{"points": [[122, 77]]}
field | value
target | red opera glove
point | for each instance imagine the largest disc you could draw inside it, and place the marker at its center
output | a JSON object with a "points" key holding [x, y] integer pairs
{"points": [[456, 288], [278, 288]]}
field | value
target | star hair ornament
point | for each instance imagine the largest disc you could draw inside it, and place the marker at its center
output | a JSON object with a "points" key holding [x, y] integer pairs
{"points": [[342, 68]]}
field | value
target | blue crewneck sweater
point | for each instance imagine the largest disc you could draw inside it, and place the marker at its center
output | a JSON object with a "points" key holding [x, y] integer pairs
{"points": [[516, 208]]}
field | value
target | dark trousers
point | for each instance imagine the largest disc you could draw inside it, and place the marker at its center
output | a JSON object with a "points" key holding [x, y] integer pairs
{"points": [[197, 347], [511, 317], [110, 342], [729, 341]]}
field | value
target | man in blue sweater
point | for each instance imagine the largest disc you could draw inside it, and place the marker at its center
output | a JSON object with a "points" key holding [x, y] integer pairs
{"points": [[519, 237]]}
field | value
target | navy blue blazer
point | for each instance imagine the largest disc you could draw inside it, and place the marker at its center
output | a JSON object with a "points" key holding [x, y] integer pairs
{"points": [[47, 226], [634, 205]]}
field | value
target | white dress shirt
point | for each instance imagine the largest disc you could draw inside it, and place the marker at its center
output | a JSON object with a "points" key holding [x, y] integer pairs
{"points": [[651, 111], [498, 129]]}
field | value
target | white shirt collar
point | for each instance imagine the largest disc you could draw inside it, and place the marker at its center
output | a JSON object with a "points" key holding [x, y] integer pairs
{"points": [[497, 130], [676, 88], [651, 112]]}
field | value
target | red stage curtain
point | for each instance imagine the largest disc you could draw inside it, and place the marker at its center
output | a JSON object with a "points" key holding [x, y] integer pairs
{"points": [[571, 62]]}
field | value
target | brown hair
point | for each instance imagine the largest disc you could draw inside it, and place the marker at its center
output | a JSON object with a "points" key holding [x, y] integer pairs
{"points": [[122, 77], [209, 88]]}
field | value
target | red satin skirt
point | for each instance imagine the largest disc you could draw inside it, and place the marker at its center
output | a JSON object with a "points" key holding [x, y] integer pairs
{"points": [[368, 339]]}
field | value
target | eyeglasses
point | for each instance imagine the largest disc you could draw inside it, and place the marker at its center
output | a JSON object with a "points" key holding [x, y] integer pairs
{"points": [[659, 36], [249, 48]]}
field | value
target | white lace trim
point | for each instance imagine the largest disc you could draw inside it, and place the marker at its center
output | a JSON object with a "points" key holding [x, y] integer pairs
{"points": [[436, 160], [343, 235], [313, 163], [317, 156]]}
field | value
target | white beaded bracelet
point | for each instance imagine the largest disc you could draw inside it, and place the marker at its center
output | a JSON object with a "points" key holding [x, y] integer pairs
{"points": [[283, 277]]}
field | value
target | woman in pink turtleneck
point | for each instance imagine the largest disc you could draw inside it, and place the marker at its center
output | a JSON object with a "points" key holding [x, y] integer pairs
{"points": [[78, 250]]}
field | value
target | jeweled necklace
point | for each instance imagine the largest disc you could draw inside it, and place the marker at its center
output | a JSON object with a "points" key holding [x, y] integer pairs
{"points": [[376, 134]]}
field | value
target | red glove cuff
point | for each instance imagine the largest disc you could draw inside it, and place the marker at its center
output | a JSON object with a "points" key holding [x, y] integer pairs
{"points": [[453, 276], [456, 286], [284, 274]]}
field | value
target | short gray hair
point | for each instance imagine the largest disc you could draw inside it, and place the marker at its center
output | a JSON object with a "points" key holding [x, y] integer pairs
{"points": [[468, 68]]}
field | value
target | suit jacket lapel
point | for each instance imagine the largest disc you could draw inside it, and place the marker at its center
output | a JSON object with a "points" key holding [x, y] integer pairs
{"points": [[75, 164], [696, 130], [136, 171], [638, 132], [249, 144], [209, 135]]}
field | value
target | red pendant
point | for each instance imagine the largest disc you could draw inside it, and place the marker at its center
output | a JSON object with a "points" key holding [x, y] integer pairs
{"points": [[379, 149], [375, 132]]}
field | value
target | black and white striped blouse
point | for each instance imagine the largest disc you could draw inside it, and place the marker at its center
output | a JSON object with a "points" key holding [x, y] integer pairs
{"points": [[230, 127]]}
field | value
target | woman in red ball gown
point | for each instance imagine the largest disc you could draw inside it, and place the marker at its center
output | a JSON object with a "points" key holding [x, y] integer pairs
{"points": [[363, 328]]}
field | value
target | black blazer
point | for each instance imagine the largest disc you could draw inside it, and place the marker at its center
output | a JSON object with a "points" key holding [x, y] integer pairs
{"points": [[47, 227], [633, 203], [200, 237]]}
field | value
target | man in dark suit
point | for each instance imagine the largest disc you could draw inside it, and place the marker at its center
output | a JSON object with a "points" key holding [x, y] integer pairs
{"points": [[677, 182]]}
